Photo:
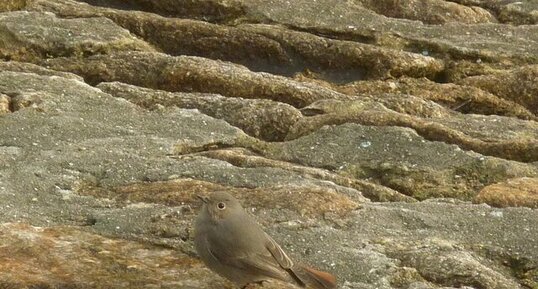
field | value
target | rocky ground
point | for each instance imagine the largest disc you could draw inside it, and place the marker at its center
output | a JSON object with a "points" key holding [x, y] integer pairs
{"points": [[392, 143]]}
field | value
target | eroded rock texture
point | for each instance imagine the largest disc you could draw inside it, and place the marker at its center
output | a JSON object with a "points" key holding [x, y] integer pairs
{"points": [[392, 143]]}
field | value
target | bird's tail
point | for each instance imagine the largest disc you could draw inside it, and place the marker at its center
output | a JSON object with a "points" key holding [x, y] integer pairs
{"points": [[313, 278]]}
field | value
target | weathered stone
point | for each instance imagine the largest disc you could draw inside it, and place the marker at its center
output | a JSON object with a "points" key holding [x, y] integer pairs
{"points": [[351, 20], [30, 99], [305, 201], [519, 13], [490, 135], [343, 61], [55, 164], [209, 10], [25, 67], [521, 192], [177, 36], [265, 119], [28, 36], [261, 47], [63, 257], [5, 102], [389, 243], [448, 264], [511, 11], [151, 135], [430, 11], [112, 182], [400, 159], [11, 5], [243, 158], [519, 85], [466, 99], [188, 73]]}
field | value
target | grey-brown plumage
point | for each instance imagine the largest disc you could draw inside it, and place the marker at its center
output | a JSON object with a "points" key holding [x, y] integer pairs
{"points": [[233, 244]]}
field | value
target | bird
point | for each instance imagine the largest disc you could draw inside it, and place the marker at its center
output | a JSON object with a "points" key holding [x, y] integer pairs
{"points": [[231, 243]]}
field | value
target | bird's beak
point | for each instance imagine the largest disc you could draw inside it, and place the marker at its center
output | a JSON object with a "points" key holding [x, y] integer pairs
{"points": [[203, 198]]}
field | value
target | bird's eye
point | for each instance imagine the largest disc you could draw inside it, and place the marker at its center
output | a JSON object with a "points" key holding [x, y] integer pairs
{"points": [[221, 206]]}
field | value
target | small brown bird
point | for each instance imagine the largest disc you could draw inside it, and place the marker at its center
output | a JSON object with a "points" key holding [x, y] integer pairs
{"points": [[233, 244]]}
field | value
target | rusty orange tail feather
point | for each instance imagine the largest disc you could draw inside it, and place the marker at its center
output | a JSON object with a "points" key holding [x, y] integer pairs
{"points": [[314, 278], [327, 279]]}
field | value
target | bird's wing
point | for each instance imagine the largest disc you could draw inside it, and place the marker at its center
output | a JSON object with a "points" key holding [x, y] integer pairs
{"points": [[280, 256], [256, 264]]}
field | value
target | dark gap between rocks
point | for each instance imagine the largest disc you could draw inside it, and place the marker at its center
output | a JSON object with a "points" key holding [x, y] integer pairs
{"points": [[210, 12], [335, 35], [115, 4]]}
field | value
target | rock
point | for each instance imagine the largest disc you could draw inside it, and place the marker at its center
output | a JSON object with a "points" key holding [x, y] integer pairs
{"points": [[244, 158], [25, 67], [63, 256], [30, 99], [343, 61], [31, 36], [519, 12], [261, 47], [448, 264], [511, 193], [463, 98], [362, 151], [264, 119], [184, 36], [5, 102], [431, 12], [188, 73], [304, 200], [353, 21], [149, 133], [355, 134], [425, 242], [432, 122], [31, 129], [514, 12], [11, 5], [214, 11], [518, 85]]}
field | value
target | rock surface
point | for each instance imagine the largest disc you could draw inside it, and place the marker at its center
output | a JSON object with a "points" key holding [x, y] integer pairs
{"points": [[511, 193], [392, 143]]}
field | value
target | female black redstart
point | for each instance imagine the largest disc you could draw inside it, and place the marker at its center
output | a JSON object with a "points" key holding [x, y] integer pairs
{"points": [[231, 243]]}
